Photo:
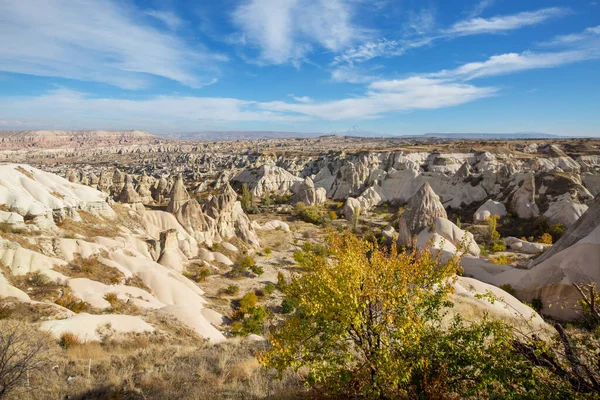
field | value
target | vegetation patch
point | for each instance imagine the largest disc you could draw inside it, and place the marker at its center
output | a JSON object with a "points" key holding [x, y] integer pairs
{"points": [[91, 268]]}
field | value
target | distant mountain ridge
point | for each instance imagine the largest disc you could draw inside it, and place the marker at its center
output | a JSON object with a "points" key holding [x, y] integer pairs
{"points": [[516, 135], [14, 139]]}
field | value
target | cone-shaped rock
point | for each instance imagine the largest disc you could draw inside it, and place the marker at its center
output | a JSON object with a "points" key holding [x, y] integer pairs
{"points": [[143, 189], [523, 202], [72, 176], [105, 181], [128, 193], [422, 209], [118, 181], [160, 192], [191, 217], [178, 196], [463, 172]]}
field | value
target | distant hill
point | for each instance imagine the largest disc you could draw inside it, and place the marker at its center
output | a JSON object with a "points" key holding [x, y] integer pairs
{"points": [[517, 135], [73, 138], [238, 135]]}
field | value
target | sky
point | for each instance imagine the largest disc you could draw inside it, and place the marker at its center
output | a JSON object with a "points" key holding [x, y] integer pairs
{"points": [[386, 66]]}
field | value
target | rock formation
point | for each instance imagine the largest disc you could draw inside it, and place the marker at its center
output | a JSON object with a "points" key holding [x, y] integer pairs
{"points": [[178, 196], [523, 201], [309, 195], [128, 193], [422, 209]]}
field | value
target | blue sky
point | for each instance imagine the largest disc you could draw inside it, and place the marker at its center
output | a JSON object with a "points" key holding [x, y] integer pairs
{"points": [[388, 66]]}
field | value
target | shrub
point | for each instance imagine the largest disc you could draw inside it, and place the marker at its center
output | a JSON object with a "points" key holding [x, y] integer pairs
{"points": [[197, 273], [508, 289], [281, 281], [257, 270], [546, 238], [247, 200], [368, 324], [268, 289], [67, 300], [242, 266], [537, 304], [111, 297], [232, 290], [246, 263], [498, 246], [68, 340], [493, 234], [503, 259], [23, 350], [268, 251], [287, 306], [333, 215], [247, 302]]}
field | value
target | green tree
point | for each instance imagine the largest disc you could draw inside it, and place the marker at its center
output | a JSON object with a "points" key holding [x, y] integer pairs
{"points": [[247, 200], [374, 323]]}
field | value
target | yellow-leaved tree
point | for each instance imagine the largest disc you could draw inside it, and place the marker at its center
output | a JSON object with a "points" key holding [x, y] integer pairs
{"points": [[374, 323]]}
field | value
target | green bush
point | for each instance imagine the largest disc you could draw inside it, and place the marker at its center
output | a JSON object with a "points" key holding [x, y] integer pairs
{"points": [[248, 302], [257, 270], [287, 306], [498, 246], [268, 289], [232, 290]]}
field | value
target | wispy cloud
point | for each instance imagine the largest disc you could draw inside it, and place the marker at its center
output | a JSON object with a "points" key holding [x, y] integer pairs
{"points": [[102, 41], [301, 99], [480, 7], [499, 24], [472, 26], [514, 62], [287, 30], [353, 74], [171, 20], [422, 22], [591, 33]]}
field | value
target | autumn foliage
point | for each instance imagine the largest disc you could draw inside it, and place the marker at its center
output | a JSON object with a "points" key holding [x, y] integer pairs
{"points": [[373, 323]]}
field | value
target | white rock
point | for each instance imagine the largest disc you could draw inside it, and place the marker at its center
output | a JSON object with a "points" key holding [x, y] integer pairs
{"points": [[488, 209]]}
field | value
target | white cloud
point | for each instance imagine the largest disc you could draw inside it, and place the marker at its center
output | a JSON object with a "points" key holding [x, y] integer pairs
{"points": [[171, 20], [422, 22], [100, 41], [380, 48], [351, 74], [591, 33], [499, 24], [480, 7], [286, 30], [388, 96], [514, 62], [301, 99]]}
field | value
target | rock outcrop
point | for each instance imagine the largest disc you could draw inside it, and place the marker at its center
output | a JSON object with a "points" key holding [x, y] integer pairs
{"points": [[309, 195], [178, 197], [488, 209], [267, 178], [523, 201], [422, 209]]}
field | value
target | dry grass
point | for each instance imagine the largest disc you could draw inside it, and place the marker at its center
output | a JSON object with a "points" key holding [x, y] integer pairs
{"points": [[25, 172], [57, 195], [91, 268], [137, 282], [21, 238], [119, 306], [90, 226], [37, 285], [149, 366]]}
